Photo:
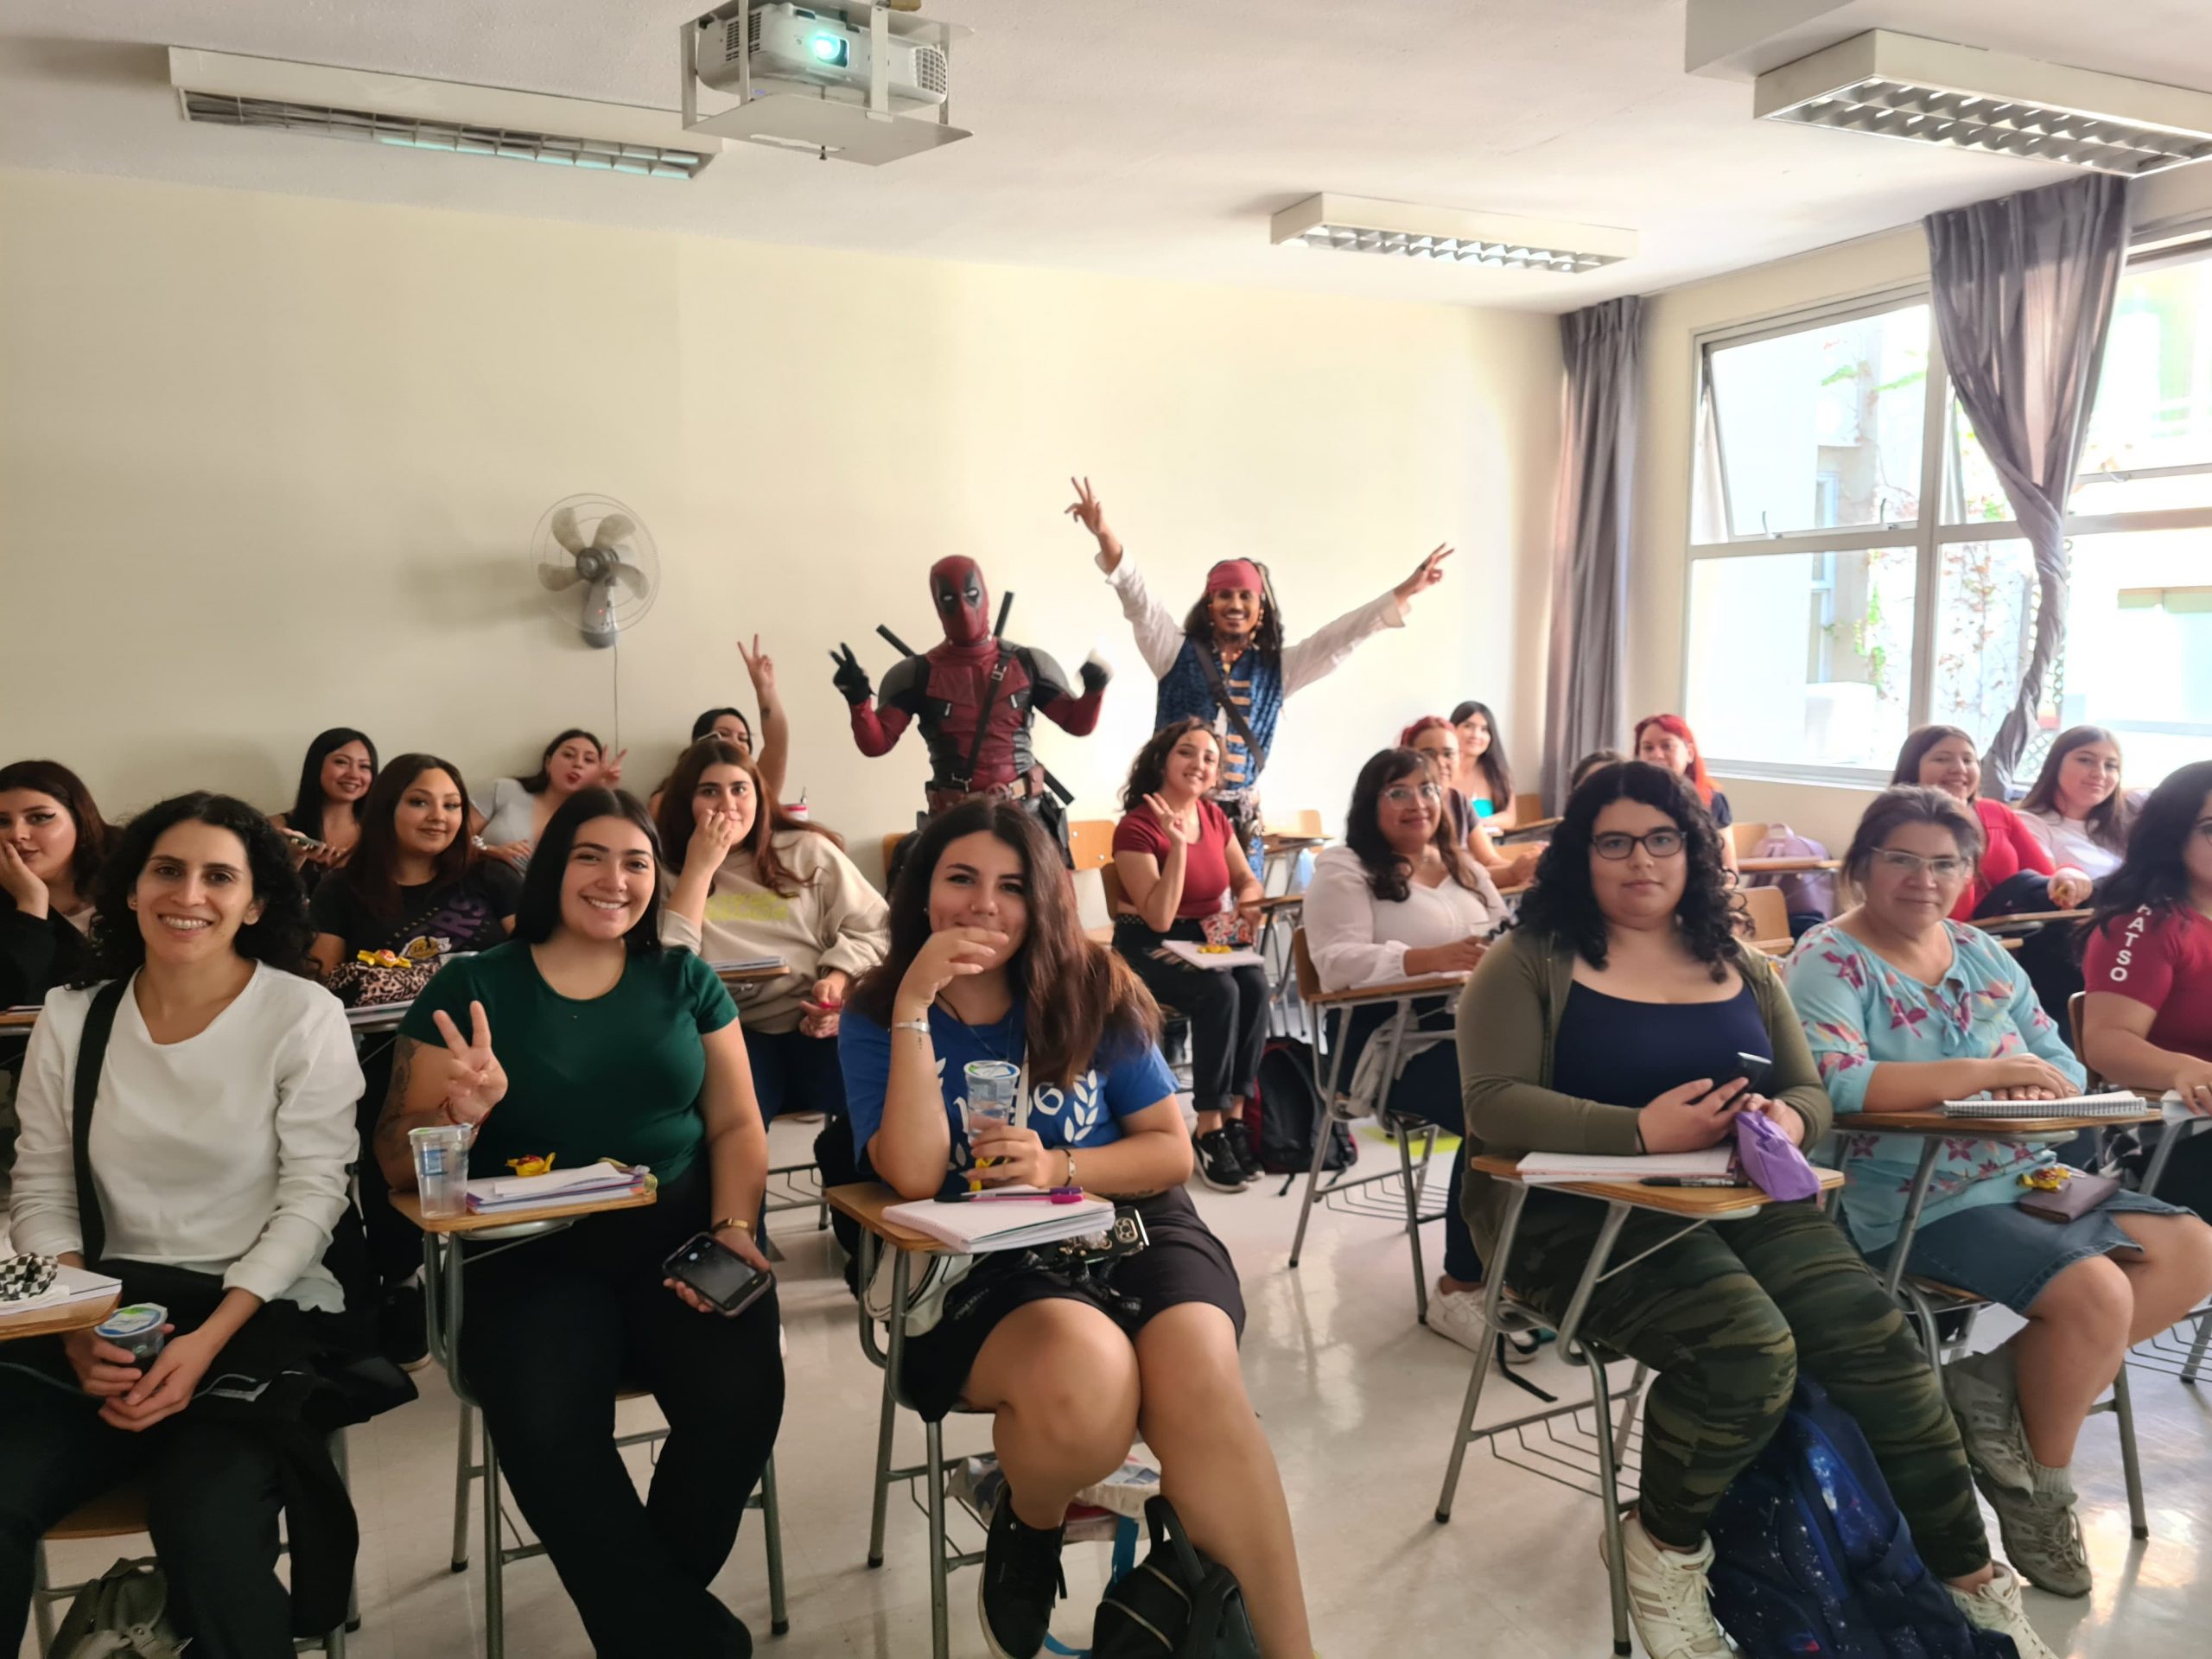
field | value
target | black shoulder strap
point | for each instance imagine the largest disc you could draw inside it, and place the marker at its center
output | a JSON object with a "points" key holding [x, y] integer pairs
{"points": [[967, 779], [1219, 687], [91, 1055]]}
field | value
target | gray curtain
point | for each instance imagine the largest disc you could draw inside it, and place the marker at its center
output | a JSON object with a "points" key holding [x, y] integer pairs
{"points": [[1585, 700], [2023, 296]]}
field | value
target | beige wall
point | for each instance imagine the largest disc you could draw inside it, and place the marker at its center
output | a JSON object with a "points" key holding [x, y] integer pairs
{"points": [[268, 464], [1656, 575]]}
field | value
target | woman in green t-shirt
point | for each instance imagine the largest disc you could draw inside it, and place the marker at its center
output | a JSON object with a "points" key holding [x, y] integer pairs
{"points": [[585, 1039]]}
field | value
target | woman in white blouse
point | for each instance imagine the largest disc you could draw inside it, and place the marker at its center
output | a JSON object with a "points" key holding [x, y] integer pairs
{"points": [[1400, 900], [222, 1127], [2078, 809]]}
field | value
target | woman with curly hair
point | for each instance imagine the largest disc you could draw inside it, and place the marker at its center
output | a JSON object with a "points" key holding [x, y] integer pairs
{"points": [[222, 1127], [1610, 1020]]}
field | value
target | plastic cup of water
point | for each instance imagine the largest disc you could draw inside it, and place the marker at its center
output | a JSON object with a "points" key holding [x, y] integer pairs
{"points": [[137, 1330], [992, 1087], [442, 1169]]}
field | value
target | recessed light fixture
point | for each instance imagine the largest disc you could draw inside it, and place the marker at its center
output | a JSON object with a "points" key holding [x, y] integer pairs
{"points": [[1930, 91], [1495, 241]]}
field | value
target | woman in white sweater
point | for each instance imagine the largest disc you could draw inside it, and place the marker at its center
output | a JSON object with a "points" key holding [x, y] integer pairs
{"points": [[1400, 900], [222, 1125]]}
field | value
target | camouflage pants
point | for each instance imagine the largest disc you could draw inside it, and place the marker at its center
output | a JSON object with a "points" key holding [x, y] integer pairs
{"points": [[1724, 1317]]}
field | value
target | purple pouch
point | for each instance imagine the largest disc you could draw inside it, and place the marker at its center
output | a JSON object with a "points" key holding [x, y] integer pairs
{"points": [[1769, 1161]]}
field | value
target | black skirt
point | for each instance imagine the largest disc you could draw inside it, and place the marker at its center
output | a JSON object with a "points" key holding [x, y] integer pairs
{"points": [[1184, 1262]]}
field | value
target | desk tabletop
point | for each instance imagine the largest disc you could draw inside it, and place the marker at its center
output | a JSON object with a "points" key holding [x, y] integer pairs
{"points": [[1699, 1203], [17, 1019], [1981, 1129], [2028, 919], [1390, 991], [866, 1201], [410, 1205], [56, 1319], [1784, 866]]}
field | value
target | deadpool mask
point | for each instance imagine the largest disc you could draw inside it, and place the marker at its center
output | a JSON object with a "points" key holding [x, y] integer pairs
{"points": [[964, 604]]}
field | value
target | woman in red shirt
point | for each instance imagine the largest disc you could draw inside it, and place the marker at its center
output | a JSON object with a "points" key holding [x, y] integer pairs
{"points": [[1178, 864], [1943, 757]]}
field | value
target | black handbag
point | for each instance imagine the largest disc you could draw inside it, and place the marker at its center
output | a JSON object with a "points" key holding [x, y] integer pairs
{"points": [[1174, 1604]]}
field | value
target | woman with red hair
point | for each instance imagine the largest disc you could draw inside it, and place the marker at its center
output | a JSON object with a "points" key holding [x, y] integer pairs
{"points": [[1666, 740]]}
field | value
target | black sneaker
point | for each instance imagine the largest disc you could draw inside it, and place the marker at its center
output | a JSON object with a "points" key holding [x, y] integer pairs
{"points": [[1219, 1166], [400, 1337], [1021, 1580], [1240, 1142]]}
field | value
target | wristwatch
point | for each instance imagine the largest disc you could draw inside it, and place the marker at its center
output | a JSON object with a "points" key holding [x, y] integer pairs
{"points": [[1068, 1153]]}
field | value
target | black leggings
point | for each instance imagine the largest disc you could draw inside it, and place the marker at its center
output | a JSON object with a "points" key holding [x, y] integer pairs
{"points": [[1227, 1008], [211, 1504], [554, 1330]]}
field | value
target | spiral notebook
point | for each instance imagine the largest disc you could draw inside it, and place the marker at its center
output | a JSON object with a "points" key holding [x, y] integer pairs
{"points": [[2117, 1103]]}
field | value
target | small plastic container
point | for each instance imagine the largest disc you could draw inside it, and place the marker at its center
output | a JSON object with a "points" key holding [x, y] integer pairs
{"points": [[993, 1086], [441, 1170], [137, 1330]]}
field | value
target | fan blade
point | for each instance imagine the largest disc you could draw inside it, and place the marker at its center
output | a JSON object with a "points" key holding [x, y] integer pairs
{"points": [[555, 579], [565, 531], [613, 530], [626, 572]]}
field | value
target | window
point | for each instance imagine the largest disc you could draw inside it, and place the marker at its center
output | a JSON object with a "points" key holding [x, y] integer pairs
{"points": [[1829, 613]]}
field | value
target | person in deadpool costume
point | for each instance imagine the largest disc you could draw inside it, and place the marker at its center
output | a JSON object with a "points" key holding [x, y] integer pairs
{"points": [[974, 697]]}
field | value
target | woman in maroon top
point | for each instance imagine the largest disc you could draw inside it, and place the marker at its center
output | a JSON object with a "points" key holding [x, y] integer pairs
{"points": [[1943, 757], [1179, 863]]}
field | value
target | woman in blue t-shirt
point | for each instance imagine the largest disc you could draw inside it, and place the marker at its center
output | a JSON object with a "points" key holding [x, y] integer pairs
{"points": [[988, 961]]}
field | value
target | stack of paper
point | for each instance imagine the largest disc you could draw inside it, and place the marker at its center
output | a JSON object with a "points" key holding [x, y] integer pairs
{"points": [[586, 1184], [748, 965], [70, 1285], [2118, 1103], [1543, 1169], [976, 1226]]}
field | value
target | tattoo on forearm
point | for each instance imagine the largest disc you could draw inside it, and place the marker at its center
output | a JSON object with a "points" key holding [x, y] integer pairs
{"points": [[391, 1125]]}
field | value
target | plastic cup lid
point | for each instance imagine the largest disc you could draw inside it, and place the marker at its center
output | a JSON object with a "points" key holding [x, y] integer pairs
{"points": [[133, 1320]]}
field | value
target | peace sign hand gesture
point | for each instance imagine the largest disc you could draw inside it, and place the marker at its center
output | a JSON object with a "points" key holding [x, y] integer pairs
{"points": [[1172, 820], [1430, 573], [478, 1082], [761, 669], [1088, 512], [610, 770]]}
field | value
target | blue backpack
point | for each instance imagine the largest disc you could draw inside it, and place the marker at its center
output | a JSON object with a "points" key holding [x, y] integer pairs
{"points": [[1811, 1557]]}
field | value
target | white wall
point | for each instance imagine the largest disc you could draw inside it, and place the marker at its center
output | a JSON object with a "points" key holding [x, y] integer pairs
{"points": [[1658, 587], [269, 464]]}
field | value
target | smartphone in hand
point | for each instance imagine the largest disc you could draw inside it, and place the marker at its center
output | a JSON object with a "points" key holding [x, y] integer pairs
{"points": [[1757, 1071], [719, 1274]]}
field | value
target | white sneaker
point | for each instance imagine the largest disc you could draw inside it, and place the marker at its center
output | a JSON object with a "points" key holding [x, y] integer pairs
{"points": [[1456, 1315], [1996, 1606], [1667, 1599]]}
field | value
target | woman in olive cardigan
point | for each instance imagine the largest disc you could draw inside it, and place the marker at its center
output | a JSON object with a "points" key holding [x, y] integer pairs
{"points": [[1611, 1021]]}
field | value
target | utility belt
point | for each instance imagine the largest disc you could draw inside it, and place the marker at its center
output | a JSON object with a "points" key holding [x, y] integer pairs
{"points": [[1023, 788]]}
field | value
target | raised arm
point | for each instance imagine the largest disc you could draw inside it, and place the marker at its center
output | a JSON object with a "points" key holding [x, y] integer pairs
{"points": [[1324, 651], [1159, 636], [874, 729], [774, 757]]}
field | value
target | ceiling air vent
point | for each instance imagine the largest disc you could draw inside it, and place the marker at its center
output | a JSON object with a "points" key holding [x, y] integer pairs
{"points": [[221, 90], [1897, 86]]}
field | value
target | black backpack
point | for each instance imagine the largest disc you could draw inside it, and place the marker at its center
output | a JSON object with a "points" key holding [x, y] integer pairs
{"points": [[1174, 1604], [1285, 1114]]}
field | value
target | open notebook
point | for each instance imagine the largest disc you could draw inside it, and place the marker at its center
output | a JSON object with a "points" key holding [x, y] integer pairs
{"points": [[2117, 1103], [977, 1228], [1542, 1168]]}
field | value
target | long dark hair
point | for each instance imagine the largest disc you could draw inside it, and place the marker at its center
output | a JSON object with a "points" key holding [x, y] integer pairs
{"points": [[1497, 770], [279, 938], [1267, 639], [1904, 803], [1078, 998], [704, 726], [52, 777], [769, 819], [536, 783], [373, 871], [1388, 872], [2152, 875], [538, 913], [1148, 771], [1918, 741], [1563, 904], [305, 814], [2108, 820]]}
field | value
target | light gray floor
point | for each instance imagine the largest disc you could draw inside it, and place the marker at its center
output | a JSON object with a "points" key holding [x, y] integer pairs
{"points": [[1359, 1402]]}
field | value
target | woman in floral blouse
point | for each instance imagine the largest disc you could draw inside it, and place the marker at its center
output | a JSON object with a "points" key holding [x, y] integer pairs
{"points": [[1904, 1009]]}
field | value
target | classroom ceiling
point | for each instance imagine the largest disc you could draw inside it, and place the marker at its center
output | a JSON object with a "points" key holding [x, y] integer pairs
{"points": [[1143, 138]]}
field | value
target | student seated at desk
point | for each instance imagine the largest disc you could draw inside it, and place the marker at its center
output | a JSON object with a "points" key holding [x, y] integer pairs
{"points": [[2148, 1021], [583, 1037], [324, 820], [771, 753], [1179, 863], [2077, 807], [988, 961], [507, 823], [1484, 776], [52, 839], [1400, 900], [415, 887], [222, 1128], [1666, 740], [1905, 1009], [1608, 1021], [2012, 870], [1437, 741]]}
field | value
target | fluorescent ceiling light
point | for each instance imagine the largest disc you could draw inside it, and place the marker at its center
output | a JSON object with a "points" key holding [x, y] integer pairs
{"points": [[1901, 87], [1497, 241], [222, 89]]}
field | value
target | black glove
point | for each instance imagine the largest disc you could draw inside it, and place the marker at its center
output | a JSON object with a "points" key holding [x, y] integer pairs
{"points": [[1094, 674], [850, 678]]}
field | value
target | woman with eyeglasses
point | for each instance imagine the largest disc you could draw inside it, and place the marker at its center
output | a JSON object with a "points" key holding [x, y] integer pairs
{"points": [[1610, 1021], [1905, 1009]]}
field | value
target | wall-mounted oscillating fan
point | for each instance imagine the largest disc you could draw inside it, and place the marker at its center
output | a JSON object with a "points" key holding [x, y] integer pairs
{"points": [[595, 563]]}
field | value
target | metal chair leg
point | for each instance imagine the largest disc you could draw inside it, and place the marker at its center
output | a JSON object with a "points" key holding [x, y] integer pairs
{"points": [[1636, 1384], [464, 1470], [1516, 1197], [1601, 1413], [2191, 1371], [495, 1610], [1413, 1213], [1321, 1137], [888, 1419], [772, 1527], [2123, 1408], [940, 1637], [41, 1600]]}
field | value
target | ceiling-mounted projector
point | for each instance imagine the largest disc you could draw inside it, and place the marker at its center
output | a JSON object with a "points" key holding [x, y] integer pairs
{"points": [[842, 78]]}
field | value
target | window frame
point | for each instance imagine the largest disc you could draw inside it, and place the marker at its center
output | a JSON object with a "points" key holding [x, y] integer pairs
{"points": [[1928, 535]]}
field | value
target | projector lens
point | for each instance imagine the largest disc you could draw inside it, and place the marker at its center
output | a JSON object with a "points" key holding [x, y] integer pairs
{"points": [[832, 49]]}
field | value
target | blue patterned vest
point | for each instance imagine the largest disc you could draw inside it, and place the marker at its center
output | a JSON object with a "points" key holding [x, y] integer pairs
{"points": [[1256, 686]]}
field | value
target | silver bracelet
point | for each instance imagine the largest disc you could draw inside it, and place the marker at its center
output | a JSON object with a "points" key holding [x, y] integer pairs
{"points": [[922, 1025]]}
